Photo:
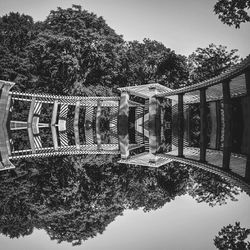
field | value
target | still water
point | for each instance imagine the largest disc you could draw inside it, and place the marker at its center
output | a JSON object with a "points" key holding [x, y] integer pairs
{"points": [[116, 207]]}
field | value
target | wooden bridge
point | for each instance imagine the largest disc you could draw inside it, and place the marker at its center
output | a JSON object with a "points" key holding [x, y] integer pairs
{"points": [[138, 121]]}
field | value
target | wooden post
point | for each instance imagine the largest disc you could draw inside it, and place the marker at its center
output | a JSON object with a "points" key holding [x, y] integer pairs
{"points": [[123, 125], [31, 111], [54, 113], [31, 140], [54, 137], [218, 118], [98, 121], [180, 125], [76, 128], [247, 172], [53, 123], [154, 123], [4, 140], [227, 148], [123, 114], [203, 125], [247, 75]]}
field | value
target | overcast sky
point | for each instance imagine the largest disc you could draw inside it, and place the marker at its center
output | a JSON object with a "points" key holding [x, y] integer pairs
{"points": [[182, 25]]}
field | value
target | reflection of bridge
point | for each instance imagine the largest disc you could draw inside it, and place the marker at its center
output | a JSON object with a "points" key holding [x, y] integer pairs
{"points": [[138, 123]]}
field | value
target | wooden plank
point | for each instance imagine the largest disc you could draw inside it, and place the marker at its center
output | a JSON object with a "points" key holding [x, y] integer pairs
{"points": [[3, 103], [180, 125], [54, 113], [5, 120], [203, 125], [76, 127], [247, 76], [218, 116], [124, 146], [123, 114], [98, 121], [31, 111], [4, 110], [247, 172], [227, 147], [245, 145], [214, 125], [54, 137], [154, 125], [31, 140]]}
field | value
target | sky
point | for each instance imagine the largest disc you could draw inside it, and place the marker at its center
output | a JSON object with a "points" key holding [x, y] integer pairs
{"points": [[182, 25], [195, 223]]}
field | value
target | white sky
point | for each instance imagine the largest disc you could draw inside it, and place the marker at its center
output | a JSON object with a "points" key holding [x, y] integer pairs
{"points": [[180, 224], [182, 25]]}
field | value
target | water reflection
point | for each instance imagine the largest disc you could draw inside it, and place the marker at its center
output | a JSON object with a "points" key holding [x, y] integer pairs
{"points": [[73, 164], [74, 199]]}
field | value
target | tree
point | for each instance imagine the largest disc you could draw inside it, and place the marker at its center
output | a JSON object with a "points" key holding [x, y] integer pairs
{"points": [[151, 61], [211, 188], [16, 32], [233, 12], [211, 61], [232, 238], [76, 49]]}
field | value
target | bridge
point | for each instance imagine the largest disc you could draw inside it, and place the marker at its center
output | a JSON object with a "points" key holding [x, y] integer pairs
{"points": [[206, 125]]}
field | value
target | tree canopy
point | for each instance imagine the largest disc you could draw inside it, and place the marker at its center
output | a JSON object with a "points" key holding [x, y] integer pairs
{"points": [[232, 237], [211, 61], [233, 12], [75, 198]]}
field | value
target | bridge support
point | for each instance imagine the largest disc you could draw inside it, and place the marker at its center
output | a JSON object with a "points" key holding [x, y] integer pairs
{"points": [[180, 125], [203, 125], [154, 124], [5, 100], [123, 125], [247, 76], [98, 124], [76, 123], [227, 148]]}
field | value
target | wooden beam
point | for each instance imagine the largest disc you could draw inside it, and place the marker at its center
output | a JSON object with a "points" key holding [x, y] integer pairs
{"points": [[180, 125], [247, 75], [154, 125], [54, 113], [247, 172], [3, 103], [31, 111], [227, 148], [5, 100], [218, 118], [54, 137], [31, 140], [203, 125], [123, 114], [98, 122], [76, 127]]}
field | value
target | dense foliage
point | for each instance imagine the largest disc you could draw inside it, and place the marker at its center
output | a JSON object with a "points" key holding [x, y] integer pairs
{"points": [[74, 49], [233, 12], [206, 63], [232, 238], [75, 198], [76, 52]]}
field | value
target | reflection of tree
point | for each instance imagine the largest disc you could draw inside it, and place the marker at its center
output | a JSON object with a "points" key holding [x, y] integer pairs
{"points": [[212, 189], [75, 198], [232, 237]]}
